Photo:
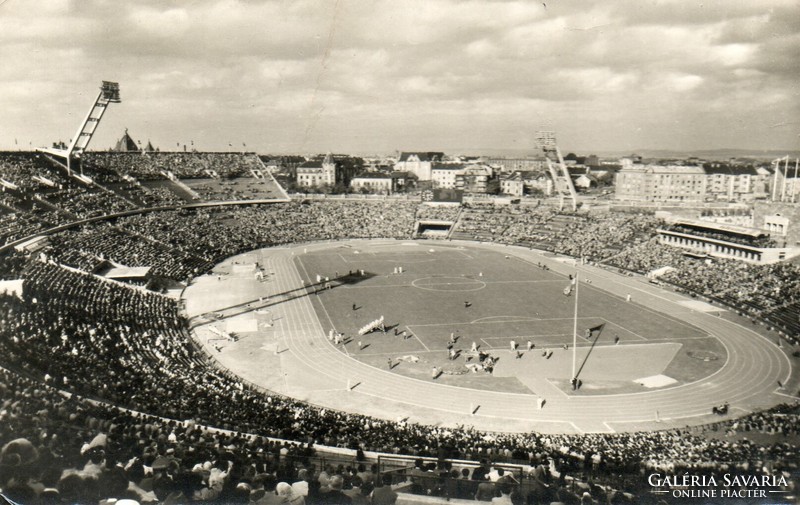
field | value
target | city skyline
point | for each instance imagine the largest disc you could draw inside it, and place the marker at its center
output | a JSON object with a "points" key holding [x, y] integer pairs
{"points": [[348, 76]]}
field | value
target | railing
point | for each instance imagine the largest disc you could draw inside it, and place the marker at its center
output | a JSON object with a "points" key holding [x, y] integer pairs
{"points": [[354, 196], [676, 205], [134, 212]]}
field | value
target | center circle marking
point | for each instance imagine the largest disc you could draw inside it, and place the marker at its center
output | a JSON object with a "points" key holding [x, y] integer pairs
{"points": [[448, 284]]}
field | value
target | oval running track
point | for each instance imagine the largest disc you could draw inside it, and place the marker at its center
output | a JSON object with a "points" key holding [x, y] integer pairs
{"points": [[323, 375]]}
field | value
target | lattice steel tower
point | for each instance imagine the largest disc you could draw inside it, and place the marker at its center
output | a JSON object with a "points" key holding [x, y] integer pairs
{"points": [[562, 182], [109, 93]]}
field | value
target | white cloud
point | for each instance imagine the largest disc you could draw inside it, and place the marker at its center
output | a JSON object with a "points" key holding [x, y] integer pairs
{"points": [[683, 83], [158, 23], [297, 71], [731, 55]]}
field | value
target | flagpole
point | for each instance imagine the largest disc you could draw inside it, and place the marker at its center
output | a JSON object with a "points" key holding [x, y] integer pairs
{"points": [[575, 327]]}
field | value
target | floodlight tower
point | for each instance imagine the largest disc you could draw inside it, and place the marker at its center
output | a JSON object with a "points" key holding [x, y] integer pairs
{"points": [[562, 182], [109, 93], [776, 164]]}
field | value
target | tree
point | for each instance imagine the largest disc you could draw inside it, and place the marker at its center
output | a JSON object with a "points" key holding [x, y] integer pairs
{"points": [[493, 186], [293, 187], [606, 179]]}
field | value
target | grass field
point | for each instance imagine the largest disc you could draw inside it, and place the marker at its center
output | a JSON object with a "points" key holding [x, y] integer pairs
{"points": [[489, 299]]}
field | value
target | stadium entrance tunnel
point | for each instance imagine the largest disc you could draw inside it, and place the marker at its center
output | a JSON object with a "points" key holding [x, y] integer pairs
{"points": [[438, 229]]}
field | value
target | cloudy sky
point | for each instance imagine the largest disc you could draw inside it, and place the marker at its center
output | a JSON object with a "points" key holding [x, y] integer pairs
{"points": [[377, 76]]}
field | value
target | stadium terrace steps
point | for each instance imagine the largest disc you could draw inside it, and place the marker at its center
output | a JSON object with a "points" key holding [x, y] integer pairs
{"points": [[787, 318]]}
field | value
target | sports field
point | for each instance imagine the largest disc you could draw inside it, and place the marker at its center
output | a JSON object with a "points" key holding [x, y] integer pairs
{"points": [[659, 360], [485, 299]]}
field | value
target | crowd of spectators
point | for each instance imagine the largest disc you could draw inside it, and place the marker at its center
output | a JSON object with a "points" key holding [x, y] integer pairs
{"points": [[82, 203], [46, 197], [23, 168], [43, 195], [128, 347], [623, 240], [236, 189], [86, 247], [69, 323], [12, 266], [599, 237], [25, 210], [766, 292], [155, 165], [782, 420], [155, 196], [108, 341], [129, 188], [594, 237], [506, 224], [16, 225], [61, 449], [221, 232], [438, 212]]}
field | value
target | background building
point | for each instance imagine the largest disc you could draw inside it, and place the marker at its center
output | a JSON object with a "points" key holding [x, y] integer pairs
{"points": [[373, 182], [443, 175], [317, 172], [473, 178], [419, 164], [657, 183], [709, 182], [517, 164]]}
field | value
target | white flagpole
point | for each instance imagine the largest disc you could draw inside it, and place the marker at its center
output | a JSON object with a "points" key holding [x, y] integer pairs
{"points": [[785, 176], [575, 327]]}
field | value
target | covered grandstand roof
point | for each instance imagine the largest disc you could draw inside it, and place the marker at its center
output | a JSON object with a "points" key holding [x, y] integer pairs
{"points": [[722, 228]]}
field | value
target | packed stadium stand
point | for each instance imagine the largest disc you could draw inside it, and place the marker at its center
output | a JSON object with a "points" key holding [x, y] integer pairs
{"points": [[157, 165], [98, 378], [41, 193]]}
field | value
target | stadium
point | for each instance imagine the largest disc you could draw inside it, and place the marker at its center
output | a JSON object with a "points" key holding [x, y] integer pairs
{"points": [[178, 327]]}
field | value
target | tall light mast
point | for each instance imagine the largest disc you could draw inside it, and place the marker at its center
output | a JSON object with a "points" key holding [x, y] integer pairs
{"points": [[109, 93], [776, 194], [562, 182]]}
